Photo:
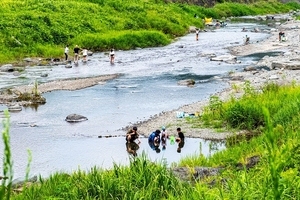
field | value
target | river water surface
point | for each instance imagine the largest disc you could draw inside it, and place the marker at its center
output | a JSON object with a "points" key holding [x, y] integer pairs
{"points": [[147, 86]]}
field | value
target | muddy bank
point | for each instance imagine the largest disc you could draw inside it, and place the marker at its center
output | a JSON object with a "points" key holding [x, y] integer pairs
{"points": [[257, 76]]}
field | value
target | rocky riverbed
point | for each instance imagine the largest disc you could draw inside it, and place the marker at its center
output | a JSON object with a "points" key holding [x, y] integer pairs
{"points": [[281, 69]]}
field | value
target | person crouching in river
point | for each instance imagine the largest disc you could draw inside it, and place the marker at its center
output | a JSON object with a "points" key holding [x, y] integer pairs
{"points": [[132, 135], [154, 140]]}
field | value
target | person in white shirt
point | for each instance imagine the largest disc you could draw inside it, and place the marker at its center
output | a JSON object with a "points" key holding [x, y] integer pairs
{"points": [[112, 56], [67, 52], [84, 54], [197, 34]]}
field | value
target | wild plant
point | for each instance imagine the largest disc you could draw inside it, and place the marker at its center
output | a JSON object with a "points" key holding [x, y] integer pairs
{"points": [[6, 186], [35, 90]]}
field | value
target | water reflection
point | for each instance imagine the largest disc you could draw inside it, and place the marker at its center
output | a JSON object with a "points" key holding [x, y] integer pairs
{"points": [[180, 146], [154, 146], [132, 148]]}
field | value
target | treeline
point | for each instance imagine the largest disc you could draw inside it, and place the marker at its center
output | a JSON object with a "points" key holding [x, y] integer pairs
{"points": [[43, 27]]}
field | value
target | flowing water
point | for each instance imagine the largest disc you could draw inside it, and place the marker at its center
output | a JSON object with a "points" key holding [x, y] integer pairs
{"points": [[147, 86]]}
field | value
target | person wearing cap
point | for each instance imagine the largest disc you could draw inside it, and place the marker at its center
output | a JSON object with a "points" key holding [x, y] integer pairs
{"points": [[132, 135]]}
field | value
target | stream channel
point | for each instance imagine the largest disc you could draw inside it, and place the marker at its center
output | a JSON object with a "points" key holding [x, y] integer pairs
{"points": [[147, 86]]}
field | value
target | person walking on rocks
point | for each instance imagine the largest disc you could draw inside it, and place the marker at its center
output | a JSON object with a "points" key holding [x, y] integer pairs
{"points": [[76, 54], [67, 52]]}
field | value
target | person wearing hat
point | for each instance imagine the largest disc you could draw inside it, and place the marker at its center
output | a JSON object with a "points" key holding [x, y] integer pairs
{"points": [[132, 135]]}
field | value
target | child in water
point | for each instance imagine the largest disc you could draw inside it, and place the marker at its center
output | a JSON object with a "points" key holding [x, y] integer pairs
{"points": [[112, 56]]}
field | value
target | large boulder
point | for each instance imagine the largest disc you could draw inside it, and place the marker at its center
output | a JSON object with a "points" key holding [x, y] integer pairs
{"points": [[76, 118], [290, 65], [224, 58], [187, 82], [7, 68]]}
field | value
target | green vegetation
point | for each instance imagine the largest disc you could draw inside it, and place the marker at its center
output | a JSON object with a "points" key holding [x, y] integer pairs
{"points": [[5, 190], [42, 28]]}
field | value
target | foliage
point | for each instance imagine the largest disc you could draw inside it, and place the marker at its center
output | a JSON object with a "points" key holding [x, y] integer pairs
{"points": [[142, 179], [42, 28], [5, 188]]}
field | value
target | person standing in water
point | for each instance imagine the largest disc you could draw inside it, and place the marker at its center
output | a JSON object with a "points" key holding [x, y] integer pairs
{"points": [[84, 54], [132, 135], [180, 140], [67, 52], [76, 54], [112, 56], [197, 34]]}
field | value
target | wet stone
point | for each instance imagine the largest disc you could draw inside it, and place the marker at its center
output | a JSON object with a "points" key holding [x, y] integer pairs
{"points": [[76, 118]]}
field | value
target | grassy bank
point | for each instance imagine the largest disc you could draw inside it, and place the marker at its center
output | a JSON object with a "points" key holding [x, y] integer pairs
{"points": [[43, 28], [276, 144]]}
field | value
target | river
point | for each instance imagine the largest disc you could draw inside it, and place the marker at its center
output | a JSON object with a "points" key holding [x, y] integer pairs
{"points": [[147, 86]]}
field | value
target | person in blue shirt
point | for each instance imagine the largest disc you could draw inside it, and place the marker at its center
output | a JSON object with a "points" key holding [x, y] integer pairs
{"points": [[154, 136], [154, 140]]}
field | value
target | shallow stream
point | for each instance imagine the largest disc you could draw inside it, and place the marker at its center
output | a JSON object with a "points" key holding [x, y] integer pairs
{"points": [[147, 86]]}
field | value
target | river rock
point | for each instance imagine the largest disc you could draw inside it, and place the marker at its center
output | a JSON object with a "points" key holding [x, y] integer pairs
{"points": [[90, 53], [14, 108], [7, 68], [27, 59], [286, 65], [224, 58], [44, 75], [250, 68], [187, 82], [76, 118], [186, 174]]}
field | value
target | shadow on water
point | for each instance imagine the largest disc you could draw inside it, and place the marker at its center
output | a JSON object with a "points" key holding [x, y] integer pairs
{"points": [[170, 150]]}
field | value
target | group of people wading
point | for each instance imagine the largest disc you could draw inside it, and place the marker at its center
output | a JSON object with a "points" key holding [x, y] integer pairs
{"points": [[156, 138], [77, 51]]}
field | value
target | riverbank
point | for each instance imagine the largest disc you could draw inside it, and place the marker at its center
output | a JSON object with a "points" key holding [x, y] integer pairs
{"points": [[279, 73], [8, 96]]}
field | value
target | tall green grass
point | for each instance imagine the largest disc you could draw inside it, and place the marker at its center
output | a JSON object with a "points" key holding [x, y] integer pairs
{"points": [[247, 113], [42, 28], [5, 188]]}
